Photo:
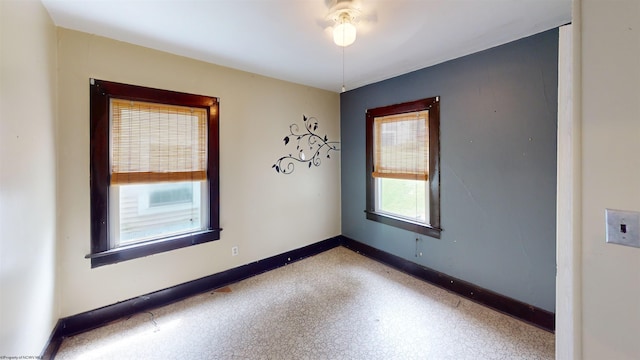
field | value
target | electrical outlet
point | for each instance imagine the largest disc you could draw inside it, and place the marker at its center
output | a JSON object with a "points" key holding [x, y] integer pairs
{"points": [[234, 251]]}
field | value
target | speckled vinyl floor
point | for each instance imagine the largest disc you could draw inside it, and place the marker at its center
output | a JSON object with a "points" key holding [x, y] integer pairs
{"points": [[335, 305]]}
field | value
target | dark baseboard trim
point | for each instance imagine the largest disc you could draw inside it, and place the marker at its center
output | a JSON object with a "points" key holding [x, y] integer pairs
{"points": [[89, 320], [528, 313], [53, 344]]}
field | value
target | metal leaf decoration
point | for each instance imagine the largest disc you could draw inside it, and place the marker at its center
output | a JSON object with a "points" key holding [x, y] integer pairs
{"points": [[317, 145]]}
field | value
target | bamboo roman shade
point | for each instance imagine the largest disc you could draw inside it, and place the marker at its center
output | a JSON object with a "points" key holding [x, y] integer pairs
{"points": [[401, 146], [157, 143]]}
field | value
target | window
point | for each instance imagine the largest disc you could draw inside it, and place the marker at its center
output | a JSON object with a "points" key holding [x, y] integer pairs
{"points": [[154, 171], [403, 166]]}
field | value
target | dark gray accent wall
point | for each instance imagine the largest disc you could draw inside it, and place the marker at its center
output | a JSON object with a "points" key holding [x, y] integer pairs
{"points": [[498, 167]]}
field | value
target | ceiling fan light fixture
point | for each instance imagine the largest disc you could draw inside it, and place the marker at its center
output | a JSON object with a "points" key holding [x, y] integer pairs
{"points": [[344, 33]]}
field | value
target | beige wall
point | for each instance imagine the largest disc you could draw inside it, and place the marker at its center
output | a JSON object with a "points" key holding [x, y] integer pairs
{"points": [[610, 176], [28, 309], [262, 212]]}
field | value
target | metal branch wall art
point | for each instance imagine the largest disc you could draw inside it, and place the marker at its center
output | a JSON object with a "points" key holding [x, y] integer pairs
{"points": [[310, 147]]}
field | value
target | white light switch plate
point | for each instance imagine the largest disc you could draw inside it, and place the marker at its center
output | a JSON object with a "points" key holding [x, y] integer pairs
{"points": [[623, 227]]}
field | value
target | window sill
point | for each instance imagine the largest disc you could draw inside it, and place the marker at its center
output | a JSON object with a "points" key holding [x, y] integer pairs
{"points": [[404, 224], [134, 251]]}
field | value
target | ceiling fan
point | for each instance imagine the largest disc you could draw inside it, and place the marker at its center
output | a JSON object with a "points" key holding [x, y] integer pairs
{"points": [[345, 17]]}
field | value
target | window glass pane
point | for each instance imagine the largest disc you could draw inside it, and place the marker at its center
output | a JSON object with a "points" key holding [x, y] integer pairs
{"points": [[403, 198], [171, 196], [152, 211]]}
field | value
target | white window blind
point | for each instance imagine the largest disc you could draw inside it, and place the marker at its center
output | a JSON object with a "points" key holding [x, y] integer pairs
{"points": [[153, 143], [401, 146]]}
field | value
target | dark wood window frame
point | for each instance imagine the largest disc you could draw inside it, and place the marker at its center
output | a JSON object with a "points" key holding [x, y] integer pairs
{"points": [[433, 105], [100, 94]]}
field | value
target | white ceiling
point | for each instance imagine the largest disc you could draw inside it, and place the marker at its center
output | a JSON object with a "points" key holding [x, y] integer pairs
{"points": [[291, 39]]}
